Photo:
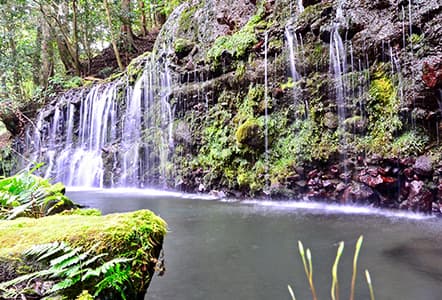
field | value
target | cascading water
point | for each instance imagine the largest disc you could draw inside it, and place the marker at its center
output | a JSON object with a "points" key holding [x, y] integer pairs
{"points": [[338, 66], [106, 139], [300, 6], [266, 120], [295, 47]]}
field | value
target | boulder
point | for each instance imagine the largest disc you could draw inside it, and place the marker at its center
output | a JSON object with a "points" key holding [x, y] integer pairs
{"points": [[423, 166], [137, 236], [419, 198]]}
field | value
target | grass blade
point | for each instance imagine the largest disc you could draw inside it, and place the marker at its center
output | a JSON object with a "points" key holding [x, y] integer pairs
{"points": [[355, 266], [370, 285], [335, 286]]}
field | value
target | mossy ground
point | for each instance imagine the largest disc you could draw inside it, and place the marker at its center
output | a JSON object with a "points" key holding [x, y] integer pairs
{"points": [[137, 236], [111, 230]]}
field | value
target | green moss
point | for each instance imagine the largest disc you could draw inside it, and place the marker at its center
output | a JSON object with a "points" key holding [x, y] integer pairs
{"points": [[116, 230], [288, 85], [382, 110], [238, 43], [84, 296], [182, 46], [186, 18], [82, 212], [249, 180], [138, 235], [415, 38], [240, 71], [276, 45], [250, 133]]}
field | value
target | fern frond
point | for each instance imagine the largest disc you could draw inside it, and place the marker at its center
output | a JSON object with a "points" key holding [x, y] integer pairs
{"points": [[62, 285], [61, 247], [61, 261], [23, 278], [44, 251]]}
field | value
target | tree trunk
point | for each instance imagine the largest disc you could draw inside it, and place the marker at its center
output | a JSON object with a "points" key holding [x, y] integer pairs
{"points": [[86, 37], [64, 44], [126, 26], [143, 18], [47, 54], [75, 39], [114, 43], [15, 72], [36, 62]]}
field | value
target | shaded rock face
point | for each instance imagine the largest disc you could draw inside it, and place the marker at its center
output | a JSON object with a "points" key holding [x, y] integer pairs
{"points": [[382, 148]]}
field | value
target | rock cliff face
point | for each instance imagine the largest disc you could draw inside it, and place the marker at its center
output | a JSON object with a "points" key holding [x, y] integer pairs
{"points": [[337, 101]]}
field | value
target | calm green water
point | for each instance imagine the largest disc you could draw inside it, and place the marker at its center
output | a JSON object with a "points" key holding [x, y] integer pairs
{"points": [[248, 250]]}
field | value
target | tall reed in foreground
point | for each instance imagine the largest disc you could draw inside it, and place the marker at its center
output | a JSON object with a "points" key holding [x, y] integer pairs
{"points": [[334, 292]]}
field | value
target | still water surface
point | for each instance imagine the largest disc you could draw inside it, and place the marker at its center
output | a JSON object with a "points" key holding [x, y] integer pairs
{"points": [[218, 250]]}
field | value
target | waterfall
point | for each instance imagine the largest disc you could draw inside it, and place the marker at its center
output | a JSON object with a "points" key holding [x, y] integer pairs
{"points": [[295, 47], [338, 66], [115, 135], [266, 120], [300, 6]]}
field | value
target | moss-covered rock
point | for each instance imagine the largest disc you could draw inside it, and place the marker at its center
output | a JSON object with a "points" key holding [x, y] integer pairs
{"points": [[137, 236], [182, 47], [250, 133], [237, 44]]}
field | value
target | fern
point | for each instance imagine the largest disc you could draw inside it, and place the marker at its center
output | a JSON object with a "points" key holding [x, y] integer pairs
{"points": [[115, 278], [69, 266], [25, 194]]}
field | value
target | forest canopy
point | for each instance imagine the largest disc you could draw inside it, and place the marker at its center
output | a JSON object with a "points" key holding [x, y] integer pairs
{"points": [[48, 45]]}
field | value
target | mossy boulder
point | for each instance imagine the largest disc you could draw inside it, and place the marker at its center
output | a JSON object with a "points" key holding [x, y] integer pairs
{"points": [[182, 47], [137, 236], [250, 134]]}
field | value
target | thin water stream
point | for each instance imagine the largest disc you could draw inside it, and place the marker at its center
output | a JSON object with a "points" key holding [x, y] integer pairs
{"points": [[248, 250]]}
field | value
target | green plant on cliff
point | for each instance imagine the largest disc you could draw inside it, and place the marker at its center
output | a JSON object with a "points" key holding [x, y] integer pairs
{"points": [[410, 143], [382, 110], [238, 43]]}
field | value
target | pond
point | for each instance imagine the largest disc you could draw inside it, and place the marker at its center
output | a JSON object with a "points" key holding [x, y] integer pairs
{"points": [[248, 249]]}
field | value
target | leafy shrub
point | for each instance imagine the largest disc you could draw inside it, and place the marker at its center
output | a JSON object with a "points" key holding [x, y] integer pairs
{"points": [[68, 268], [28, 195]]}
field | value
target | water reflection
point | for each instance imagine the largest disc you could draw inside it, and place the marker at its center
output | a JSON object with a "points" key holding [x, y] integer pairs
{"points": [[247, 250]]}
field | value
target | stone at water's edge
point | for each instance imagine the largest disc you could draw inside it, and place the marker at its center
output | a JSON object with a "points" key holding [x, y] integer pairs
{"points": [[137, 235]]}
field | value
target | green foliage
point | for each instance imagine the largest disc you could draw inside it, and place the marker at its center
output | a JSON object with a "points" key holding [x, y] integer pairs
{"points": [[409, 143], [288, 85], [25, 194], [84, 296], [240, 70], [73, 267], [58, 82], [76, 254], [115, 278], [415, 38], [383, 117], [238, 43], [182, 45], [186, 18], [232, 144], [250, 133]]}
